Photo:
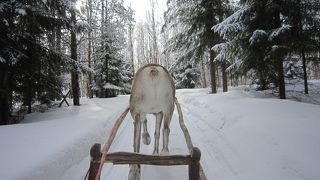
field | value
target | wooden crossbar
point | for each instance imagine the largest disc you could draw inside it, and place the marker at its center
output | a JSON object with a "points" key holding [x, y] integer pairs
{"points": [[136, 158], [193, 160]]}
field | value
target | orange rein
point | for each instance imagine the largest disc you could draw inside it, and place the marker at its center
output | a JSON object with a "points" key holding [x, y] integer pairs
{"points": [[110, 140]]}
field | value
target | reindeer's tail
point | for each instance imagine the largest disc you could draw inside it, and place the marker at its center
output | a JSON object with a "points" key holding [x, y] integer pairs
{"points": [[153, 71]]}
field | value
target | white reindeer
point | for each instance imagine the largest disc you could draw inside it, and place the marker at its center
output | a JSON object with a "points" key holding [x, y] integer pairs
{"points": [[153, 92]]}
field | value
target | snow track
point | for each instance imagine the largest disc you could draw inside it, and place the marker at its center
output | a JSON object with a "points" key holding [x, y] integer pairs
{"points": [[204, 129]]}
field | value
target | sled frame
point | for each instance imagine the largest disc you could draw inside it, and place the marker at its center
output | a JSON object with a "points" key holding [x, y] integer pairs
{"points": [[98, 157]]}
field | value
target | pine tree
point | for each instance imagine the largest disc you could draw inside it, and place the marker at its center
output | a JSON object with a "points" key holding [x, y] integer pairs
{"points": [[190, 24], [302, 16], [186, 77], [29, 55], [255, 39], [109, 60]]}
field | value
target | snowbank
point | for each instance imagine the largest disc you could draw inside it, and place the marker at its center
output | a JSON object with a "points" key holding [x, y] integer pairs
{"points": [[47, 144], [254, 138]]}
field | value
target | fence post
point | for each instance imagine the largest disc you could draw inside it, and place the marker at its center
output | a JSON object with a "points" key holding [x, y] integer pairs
{"points": [[195, 164], [95, 153]]}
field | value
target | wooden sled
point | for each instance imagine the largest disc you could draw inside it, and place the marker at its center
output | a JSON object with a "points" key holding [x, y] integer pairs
{"points": [[98, 158]]}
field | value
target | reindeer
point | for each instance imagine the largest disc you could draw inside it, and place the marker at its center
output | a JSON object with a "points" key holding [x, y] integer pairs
{"points": [[153, 92]]}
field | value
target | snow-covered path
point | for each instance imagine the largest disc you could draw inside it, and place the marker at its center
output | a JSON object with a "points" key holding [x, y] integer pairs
{"points": [[46, 144], [241, 137]]}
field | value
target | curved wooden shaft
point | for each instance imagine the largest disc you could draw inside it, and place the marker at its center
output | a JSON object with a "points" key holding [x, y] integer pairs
{"points": [[110, 140]]}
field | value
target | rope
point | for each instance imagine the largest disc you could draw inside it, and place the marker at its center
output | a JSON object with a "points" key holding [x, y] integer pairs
{"points": [[110, 140]]}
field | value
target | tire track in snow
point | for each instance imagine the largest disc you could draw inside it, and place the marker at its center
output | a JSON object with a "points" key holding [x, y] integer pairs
{"points": [[211, 142]]}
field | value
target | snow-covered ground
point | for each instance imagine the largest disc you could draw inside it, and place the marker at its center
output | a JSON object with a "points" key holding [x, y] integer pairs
{"points": [[242, 134]]}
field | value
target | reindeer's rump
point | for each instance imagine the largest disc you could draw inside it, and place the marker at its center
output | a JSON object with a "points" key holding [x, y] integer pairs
{"points": [[153, 90]]}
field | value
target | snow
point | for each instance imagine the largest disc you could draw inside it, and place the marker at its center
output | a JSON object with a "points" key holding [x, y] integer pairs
{"points": [[257, 36], [2, 60], [233, 23], [5, 21], [278, 31], [82, 25], [242, 134], [111, 86], [21, 11]]}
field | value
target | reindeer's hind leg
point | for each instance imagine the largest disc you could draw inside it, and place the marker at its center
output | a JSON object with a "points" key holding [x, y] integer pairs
{"points": [[134, 173], [166, 132], [145, 135], [159, 117]]}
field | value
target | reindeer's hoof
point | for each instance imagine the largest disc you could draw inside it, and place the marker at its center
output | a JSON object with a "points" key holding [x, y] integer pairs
{"points": [[155, 152], [164, 152], [134, 173], [146, 138]]}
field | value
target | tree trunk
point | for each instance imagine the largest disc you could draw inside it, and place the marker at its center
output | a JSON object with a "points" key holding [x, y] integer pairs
{"points": [[154, 35], [304, 66], [74, 73], [4, 95], [58, 41], [29, 96], [224, 76], [279, 60], [204, 85], [131, 47], [299, 23], [89, 12], [213, 73], [281, 83]]}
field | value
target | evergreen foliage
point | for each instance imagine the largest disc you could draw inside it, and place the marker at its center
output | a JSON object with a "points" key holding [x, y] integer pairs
{"points": [[189, 23], [30, 61], [187, 77], [110, 65], [253, 43], [261, 34]]}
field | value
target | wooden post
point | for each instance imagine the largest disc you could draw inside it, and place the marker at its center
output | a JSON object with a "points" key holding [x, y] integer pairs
{"points": [[64, 98], [95, 154], [195, 164]]}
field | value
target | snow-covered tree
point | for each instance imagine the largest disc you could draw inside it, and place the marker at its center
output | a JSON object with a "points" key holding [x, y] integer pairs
{"points": [[30, 53], [109, 56], [187, 77], [303, 17], [254, 38], [261, 33], [189, 27]]}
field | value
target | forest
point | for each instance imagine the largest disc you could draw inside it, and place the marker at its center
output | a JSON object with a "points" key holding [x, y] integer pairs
{"points": [[91, 48]]}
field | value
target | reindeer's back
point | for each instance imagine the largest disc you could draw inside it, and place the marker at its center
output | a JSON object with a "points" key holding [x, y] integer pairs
{"points": [[153, 90]]}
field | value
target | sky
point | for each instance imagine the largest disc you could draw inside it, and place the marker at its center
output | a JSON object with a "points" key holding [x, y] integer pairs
{"points": [[141, 6]]}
